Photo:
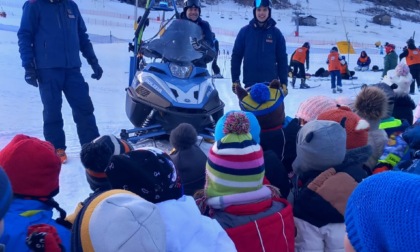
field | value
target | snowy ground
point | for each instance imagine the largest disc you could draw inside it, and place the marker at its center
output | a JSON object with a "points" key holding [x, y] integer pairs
{"points": [[20, 104]]}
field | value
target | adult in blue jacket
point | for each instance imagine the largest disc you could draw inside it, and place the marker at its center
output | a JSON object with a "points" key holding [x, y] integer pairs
{"points": [[262, 48], [51, 35]]}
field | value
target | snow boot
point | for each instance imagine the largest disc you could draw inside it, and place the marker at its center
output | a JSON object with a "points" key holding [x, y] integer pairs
{"points": [[339, 89], [303, 85], [334, 90]]}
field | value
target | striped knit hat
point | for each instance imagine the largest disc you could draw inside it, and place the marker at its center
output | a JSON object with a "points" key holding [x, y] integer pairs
{"points": [[235, 163]]}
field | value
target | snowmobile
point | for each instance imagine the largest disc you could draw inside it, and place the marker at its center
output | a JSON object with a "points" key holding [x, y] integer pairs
{"points": [[170, 90]]}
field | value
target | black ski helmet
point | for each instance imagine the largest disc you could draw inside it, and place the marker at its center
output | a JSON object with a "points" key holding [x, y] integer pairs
{"points": [[410, 41], [262, 3], [259, 3], [307, 45], [192, 3]]}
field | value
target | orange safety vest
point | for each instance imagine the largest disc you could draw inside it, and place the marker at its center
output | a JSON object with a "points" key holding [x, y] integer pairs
{"points": [[343, 68], [413, 57], [300, 54], [363, 60], [333, 62]]}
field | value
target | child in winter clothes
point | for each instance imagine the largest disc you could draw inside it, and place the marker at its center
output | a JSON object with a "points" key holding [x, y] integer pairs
{"points": [[390, 59], [412, 137], [334, 67], [151, 174], [33, 168], [266, 103], [95, 157], [399, 80], [189, 159], [363, 62], [372, 105], [119, 220], [328, 167], [382, 214], [253, 214]]}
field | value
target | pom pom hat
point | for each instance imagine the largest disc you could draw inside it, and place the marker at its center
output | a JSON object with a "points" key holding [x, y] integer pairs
{"points": [[356, 128], [235, 163], [32, 166], [254, 129]]}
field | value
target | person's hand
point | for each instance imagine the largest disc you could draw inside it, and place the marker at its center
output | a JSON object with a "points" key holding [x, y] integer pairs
{"points": [[284, 88], [31, 76], [234, 85], [195, 44], [97, 71], [43, 237]]}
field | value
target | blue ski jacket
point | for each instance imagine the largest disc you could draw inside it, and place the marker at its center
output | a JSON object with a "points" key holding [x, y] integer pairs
{"points": [[263, 51], [52, 34], [23, 213]]}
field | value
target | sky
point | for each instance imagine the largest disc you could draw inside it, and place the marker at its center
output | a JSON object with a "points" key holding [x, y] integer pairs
{"points": [[20, 104]]}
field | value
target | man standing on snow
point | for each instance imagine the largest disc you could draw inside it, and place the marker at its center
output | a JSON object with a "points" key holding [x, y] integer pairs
{"points": [[412, 57], [297, 60], [192, 12], [51, 34], [262, 48]]}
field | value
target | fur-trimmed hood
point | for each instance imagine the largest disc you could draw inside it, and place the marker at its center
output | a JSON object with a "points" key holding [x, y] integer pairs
{"points": [[371, 103]]}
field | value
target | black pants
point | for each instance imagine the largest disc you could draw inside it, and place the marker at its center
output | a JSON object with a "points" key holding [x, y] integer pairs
{"points": [[415, 72], [298, 66], [215, 67]]}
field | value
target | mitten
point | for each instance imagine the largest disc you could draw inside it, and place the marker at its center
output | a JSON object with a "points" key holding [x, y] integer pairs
{"points": [[43, 238], [234, 85], [284, 88], [394, 150], [97, 71], [195, 44], [30, 76]]}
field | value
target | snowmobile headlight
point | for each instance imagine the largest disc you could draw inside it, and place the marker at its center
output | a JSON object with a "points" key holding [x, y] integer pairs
{"points": [[181, 72]]}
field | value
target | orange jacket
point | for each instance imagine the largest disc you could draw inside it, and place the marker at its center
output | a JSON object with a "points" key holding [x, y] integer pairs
{"points": [[413, 57], [333, 62], [300, 54]]}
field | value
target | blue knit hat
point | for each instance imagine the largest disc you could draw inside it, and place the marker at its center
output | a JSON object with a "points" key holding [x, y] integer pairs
{"points": [[5, 193], [254, 129], [383, 213]]}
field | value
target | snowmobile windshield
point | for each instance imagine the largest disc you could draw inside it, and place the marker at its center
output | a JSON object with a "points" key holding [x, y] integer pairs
{"points": [[175, 43]]}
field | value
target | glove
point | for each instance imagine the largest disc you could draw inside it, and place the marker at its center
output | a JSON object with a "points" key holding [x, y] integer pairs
{"points": [[197, 45], [234, 85], [394, 150], [284, 88], [31, 77], [97, 71], [43, 237]]}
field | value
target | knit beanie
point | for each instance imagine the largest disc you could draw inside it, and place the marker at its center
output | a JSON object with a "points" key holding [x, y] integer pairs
{"points": [[316, 141], [265, 102], [235, 162], [254, 126], [183, 136], [315, 105], [32, 166], [6, 194], [356, 128], [95, 158], [382, 213], [119, 220], [148, 172], [371, 103]]}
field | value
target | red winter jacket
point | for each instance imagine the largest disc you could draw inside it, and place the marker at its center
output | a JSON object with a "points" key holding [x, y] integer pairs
{"points": [[274, 233]]}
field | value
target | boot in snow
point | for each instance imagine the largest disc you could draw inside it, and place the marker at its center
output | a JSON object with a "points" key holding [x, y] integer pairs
{"points": [[293, 81], [303, 85]]}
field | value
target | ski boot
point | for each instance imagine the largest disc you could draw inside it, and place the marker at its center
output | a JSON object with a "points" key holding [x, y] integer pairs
{"points": [[339, 89], [303, 85], [334, 90]]}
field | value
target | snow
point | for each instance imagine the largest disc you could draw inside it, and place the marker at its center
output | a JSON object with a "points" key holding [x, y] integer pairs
{"points": [[21, 108]]}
